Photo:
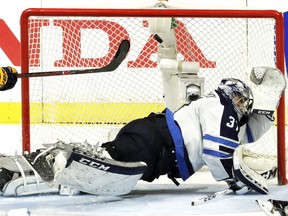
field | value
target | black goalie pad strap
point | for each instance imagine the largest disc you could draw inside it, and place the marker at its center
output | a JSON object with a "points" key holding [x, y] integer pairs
{"points": [[243, 173], [105, 164], [242, 176]]}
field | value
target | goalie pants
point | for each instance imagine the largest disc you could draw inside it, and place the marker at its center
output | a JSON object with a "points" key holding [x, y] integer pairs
{"points": [[147, 140]]}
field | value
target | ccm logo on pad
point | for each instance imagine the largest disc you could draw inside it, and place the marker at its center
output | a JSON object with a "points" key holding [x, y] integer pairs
{"points": [[94, 164], [263, 112]]}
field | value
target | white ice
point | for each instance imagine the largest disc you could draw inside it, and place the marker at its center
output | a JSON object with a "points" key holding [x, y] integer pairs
{"points": [[160, 198]]}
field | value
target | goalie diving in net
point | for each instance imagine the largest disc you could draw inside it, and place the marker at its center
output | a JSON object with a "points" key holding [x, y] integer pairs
{"points": [[207, 131]]}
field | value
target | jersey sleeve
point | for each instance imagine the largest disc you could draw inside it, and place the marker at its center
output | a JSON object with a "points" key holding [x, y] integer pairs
{"points": [[256, 127], [220, 138]]}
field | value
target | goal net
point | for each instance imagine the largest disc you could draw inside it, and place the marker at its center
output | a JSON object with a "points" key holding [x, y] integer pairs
{"points": [[91, 107]]}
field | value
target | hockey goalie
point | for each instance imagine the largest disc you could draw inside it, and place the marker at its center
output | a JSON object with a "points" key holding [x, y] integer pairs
{"points": [[207, 131]]}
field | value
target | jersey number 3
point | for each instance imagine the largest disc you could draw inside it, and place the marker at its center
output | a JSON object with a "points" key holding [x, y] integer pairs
{"points": [[232, 123]]}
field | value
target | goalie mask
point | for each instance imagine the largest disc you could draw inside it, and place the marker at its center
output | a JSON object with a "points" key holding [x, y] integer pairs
{"points": [[239, 93]]}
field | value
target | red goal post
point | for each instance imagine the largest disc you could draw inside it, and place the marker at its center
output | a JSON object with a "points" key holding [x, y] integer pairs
{"points": [[225, 42]]}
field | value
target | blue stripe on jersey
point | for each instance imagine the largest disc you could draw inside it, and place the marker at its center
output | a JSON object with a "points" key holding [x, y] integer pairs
{"points": [[249, 134], [216, 153], [179, 145], [221, 140]]}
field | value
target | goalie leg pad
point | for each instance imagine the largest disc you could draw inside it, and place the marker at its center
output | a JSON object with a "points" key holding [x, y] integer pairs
{"points": [[248, 176], [101, 176]]}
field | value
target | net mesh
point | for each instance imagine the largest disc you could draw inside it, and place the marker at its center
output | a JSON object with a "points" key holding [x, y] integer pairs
{"points": [[88, 107]]}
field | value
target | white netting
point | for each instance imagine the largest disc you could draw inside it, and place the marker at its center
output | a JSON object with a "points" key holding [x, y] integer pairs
{"points": [[257, 74], [88, 107], [262, 158]]}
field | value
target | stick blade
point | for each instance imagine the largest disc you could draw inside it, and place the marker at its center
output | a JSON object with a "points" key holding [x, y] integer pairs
{"points": [[119, 57]]}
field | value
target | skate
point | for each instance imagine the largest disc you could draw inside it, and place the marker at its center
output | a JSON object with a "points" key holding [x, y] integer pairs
{"points": [[43, 165], [5, 176], [18, 178], [274, 207]]}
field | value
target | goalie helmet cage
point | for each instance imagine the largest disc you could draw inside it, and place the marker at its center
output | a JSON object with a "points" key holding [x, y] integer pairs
{"points": [[91, 107]]}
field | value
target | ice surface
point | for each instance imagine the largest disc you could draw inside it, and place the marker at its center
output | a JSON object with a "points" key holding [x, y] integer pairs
{"points": [[160, 198]]}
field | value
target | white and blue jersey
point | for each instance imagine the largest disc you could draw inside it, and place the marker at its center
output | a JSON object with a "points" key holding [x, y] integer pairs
{"points": [[210, 128]]}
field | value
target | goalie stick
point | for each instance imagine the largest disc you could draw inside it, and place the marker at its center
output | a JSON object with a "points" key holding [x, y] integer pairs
{"points": [[268, 174], [113, 65]]}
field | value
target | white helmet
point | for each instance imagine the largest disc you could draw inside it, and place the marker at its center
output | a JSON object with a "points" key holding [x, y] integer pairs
{"points": [[239, 93]]}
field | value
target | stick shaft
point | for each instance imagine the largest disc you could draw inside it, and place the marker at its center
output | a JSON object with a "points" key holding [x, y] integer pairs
{"points": [[267, 174], [212, 197], [57, 73], [115, 62]]}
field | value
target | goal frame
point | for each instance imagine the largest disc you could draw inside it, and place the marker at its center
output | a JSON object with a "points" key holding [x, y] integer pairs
{"points": [[155, 13]]}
